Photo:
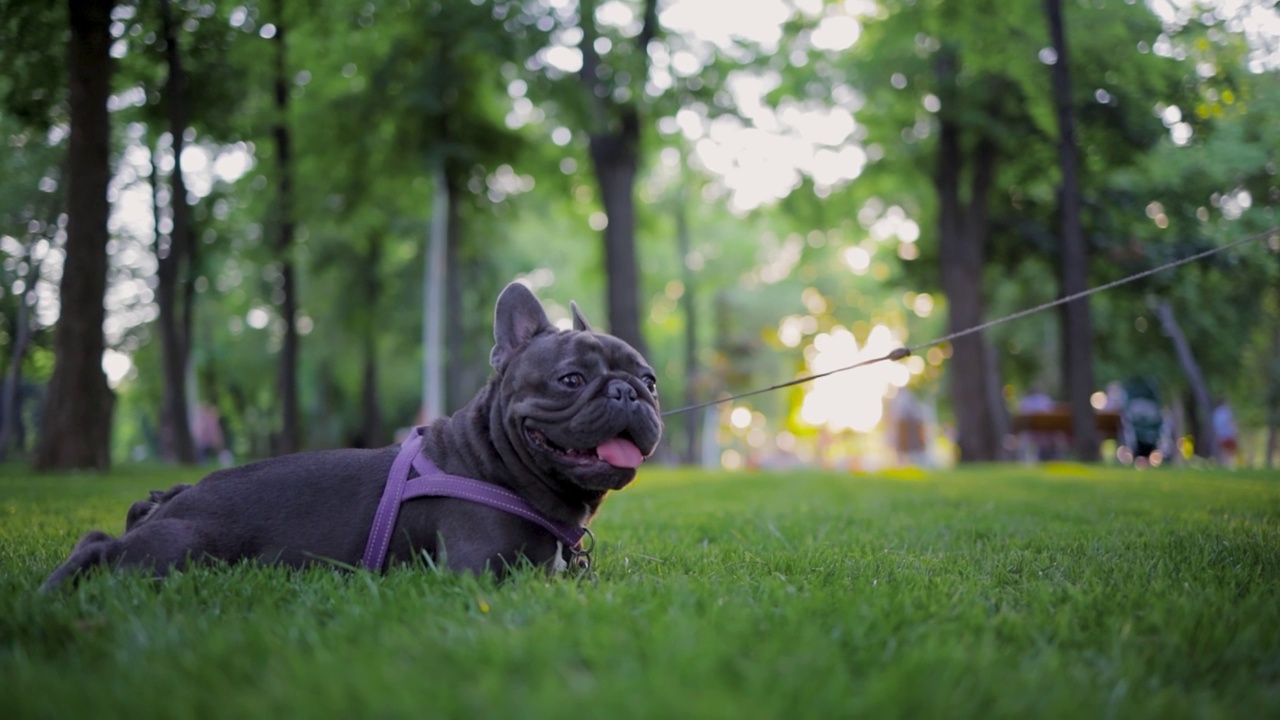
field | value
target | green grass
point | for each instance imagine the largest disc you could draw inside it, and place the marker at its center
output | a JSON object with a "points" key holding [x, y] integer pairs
{"points": [[990, 592]]}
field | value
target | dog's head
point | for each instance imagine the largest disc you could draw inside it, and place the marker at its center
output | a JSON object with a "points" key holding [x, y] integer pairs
{"points": [[579, 407]]}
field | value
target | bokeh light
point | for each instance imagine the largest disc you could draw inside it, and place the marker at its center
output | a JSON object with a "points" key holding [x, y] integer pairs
{"points": [[852, 400]]}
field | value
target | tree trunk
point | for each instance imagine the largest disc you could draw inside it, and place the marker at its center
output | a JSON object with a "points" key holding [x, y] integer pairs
{"points": [[1077, 325], [614, 143], [973, 378], [1206, 443], [288, 370], [370, 407], [1273, 400], [175, 429], [997, 410], [371, 434], [1178, 422], [614, 159], [457, 373], [11, 399], [433, 300], [186, 326], [76, 428], [10, 405], [692, 420]]}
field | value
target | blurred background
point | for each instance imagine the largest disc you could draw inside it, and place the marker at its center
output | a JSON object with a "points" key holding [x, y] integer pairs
{"points": [[282, 225]]}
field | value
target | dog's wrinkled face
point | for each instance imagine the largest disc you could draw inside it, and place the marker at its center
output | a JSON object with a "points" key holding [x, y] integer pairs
{"points": [[590, 413], [581, 407]]}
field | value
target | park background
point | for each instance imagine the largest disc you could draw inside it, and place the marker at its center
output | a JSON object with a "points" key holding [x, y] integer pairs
{"points": [[749, 192], [290, 220]]}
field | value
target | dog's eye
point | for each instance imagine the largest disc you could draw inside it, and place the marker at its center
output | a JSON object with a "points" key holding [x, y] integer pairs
{"points": [[650, 382], [573, 380]]}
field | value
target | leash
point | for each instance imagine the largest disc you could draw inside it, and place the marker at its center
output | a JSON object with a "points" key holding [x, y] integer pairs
{"points": [[907, 351]]}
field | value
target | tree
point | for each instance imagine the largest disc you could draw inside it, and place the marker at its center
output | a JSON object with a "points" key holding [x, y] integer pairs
{"points": [[1077, 326], [962, 239], [23, 328], [692, 423], [614, 143], [287, 375], [174, 276], [29, 208], [442, 66], [32, 190], [954, 87], [1198, 181], [1199, 389], [941, 106], [76, 430], [442, 228]]}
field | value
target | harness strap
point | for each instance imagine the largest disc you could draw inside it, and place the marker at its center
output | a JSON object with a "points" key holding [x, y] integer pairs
{"points": [[433, 482]]}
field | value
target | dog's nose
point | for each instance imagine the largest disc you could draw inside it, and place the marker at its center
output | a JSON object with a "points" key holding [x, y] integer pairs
{"points": [[621, 391]]}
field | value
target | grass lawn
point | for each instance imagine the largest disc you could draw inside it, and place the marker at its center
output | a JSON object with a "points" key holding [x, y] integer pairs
{"points": [[1060, 591]]}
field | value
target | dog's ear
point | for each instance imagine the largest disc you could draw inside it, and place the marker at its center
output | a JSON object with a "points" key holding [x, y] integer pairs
{"points": [[517, 317], [579, 320]]}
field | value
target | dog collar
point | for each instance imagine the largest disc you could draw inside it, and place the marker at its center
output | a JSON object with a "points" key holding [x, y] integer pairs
{"points": [[434, 482]]}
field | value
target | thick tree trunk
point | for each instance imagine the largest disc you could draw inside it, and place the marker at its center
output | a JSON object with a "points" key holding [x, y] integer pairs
{"points": [[1206, 442], [614, 158], [1077, 325], [288, 369], [614, 141], [961, 259], [175, 429], [973, 379], [76, 429]]}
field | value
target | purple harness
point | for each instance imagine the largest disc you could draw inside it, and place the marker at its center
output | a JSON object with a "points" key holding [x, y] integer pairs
{"points": [[431, 481]]}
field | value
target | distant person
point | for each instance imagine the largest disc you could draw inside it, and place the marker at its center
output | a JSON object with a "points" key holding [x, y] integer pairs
{"points": [[1039, 444], [1224, 428], [1115, 397], [1036, 401], [1142, 421], [207, 433], [907, 417]]}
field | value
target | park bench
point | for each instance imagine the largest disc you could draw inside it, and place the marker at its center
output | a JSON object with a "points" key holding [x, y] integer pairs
{"points": [[1058, 420], [1047, 434]]}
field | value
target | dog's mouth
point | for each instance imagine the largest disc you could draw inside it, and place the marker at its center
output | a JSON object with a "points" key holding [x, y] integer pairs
{"points": [[620, 451]]}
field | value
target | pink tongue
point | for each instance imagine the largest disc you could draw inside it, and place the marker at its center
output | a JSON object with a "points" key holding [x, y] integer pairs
{"points": [[620, 453]]}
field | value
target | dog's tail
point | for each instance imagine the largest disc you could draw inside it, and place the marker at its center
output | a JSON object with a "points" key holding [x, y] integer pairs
{"points": [[143, 509]]}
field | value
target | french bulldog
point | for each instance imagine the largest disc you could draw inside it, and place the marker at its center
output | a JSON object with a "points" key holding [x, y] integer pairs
{"points": [[566, 417]]}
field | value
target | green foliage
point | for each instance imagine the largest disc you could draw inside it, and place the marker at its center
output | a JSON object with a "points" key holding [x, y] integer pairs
{"points": [[1127, 69], [32, 187], [1054, 592], [33, 38]]}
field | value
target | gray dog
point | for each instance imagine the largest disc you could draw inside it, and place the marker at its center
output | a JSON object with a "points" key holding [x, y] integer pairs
{"points": [[567, 416]]}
